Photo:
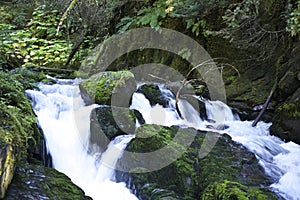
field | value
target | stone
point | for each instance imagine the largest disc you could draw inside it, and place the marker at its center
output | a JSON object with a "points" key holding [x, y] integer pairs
{"points": [[100, 87], [34, 181], [190, 175], [7, 168], [107, 123]]}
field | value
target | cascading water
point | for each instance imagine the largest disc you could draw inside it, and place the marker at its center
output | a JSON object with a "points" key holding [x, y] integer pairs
{"points": [[64, 119], [280, 160], [65, 122]]}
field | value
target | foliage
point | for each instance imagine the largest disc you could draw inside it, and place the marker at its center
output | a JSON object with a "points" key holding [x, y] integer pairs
{"points": [[156, 15], [151, 16], [35, 45], [239, 13], [293, 18]]}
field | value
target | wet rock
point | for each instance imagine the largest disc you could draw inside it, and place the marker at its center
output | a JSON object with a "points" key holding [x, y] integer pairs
{"points": [[189, 175], [7, 167], [108, 122], [100, 87], [35, 181], [154, 95]]}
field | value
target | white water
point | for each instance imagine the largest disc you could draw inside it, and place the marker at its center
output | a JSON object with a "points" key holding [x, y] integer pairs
{"points": [[280, 160], [65, 122]]}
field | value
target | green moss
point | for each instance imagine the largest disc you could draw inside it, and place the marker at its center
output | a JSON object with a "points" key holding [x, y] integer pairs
{"points": [[100, 87], [18, 122], [289, 110], [189, 175], [230, 190], [40, 182]]}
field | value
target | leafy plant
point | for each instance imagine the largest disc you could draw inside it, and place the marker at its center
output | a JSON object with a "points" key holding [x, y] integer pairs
{"points": [[293, 19], [155, 15], [149, 16], [36, 45]]}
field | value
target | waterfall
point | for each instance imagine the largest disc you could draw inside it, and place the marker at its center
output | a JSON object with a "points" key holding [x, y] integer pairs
{"points": [[64, 119], [110, 157], [280, 160]]}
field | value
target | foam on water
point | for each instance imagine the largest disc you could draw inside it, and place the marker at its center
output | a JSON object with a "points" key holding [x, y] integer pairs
{"points": [[65, 122]]}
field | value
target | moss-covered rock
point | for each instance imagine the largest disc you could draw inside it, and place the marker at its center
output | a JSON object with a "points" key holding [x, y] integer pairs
{"points": [[19, 133], [228, 190], [35, 181], [107, 123], [18, 124], [188, 176], [154, 95], [100, 87]]}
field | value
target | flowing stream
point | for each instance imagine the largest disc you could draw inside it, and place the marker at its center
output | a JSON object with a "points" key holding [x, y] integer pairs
{"points": [[65, 121]]}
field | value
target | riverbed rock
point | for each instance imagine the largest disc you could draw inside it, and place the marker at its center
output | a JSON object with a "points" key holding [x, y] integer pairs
{"points": [[34, 181], [189, 176], [108, 122], [154, 95], [100, 87]]}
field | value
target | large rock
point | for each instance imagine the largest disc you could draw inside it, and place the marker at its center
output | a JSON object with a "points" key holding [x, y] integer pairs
{"points": [[189, 176], [106, 123], [35, 181], [100, 87], [154, 95]]}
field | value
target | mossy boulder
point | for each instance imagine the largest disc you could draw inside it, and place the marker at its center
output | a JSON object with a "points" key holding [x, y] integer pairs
{"points": [[153, 94], [106, 123], [34, 181], [100, 87], [229, 190], [188, 176]]}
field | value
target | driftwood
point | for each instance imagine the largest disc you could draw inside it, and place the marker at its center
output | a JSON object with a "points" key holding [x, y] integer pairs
{"points": [[265, 106]]}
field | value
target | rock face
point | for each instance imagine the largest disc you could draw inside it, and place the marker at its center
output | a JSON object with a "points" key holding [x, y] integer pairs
{"points": [[100, 87], [229, 166], [35, 181], [287, 114], [19, 133]]}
